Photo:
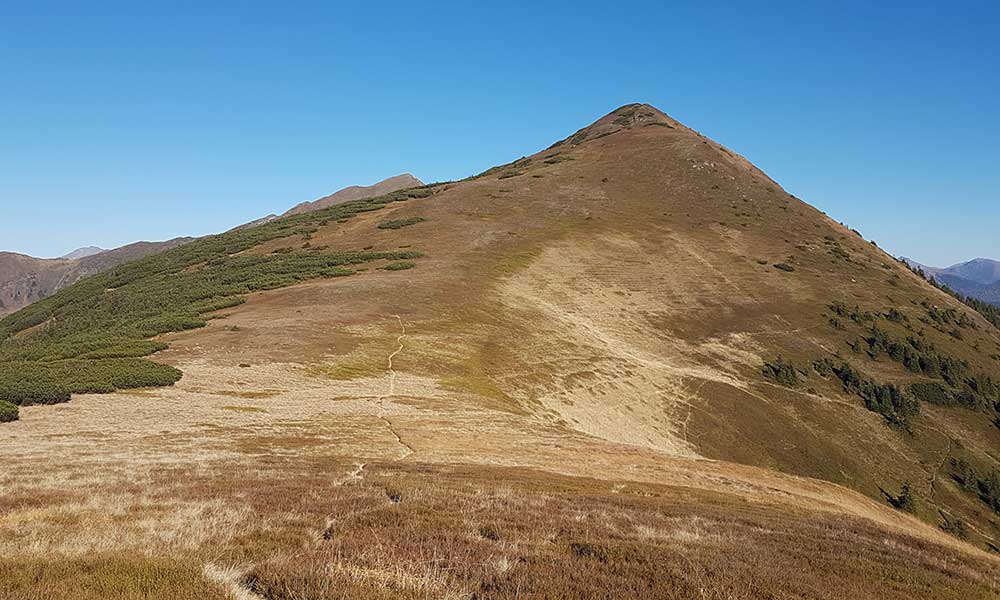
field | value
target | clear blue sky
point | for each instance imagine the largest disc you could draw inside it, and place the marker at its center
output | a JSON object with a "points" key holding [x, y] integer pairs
{"points": [[131, 120]]}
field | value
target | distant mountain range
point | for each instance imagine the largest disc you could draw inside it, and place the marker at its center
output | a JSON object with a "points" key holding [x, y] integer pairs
{"points": [[978, 278], [26, 279]]}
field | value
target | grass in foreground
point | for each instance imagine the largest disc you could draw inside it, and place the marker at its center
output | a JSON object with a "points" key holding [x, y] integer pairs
{"points": [[421, 532]]}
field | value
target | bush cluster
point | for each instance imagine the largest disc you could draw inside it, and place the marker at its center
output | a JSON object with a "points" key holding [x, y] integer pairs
{"points": [[400, 223], [972, 391], [855, 314], [8, 412], [896, 406], [25, 383], [399, 265], [905, 501], [782, 371], [916, 355], [942, 318], [984, 485]]}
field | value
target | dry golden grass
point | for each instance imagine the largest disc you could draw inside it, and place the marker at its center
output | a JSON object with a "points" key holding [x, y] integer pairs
{"points": [[301, 499]]}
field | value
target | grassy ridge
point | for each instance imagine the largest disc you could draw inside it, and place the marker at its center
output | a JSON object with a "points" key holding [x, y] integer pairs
{"points": [[89, 337]]}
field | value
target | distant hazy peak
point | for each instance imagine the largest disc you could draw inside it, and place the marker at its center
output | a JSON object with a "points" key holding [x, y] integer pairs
{"points": [[83, 252], [983, 271], [980, 270]]}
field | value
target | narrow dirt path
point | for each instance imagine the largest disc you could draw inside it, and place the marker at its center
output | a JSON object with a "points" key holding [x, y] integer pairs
{"points": [[230, 579], [407, 449]]}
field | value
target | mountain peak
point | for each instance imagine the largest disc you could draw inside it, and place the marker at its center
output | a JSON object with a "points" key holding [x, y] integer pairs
{"points": [[83, 252], [624, 117]]}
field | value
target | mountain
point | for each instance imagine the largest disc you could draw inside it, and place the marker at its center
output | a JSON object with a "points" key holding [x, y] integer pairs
{"points": [[357, 192], [978, 278], [979, 291], [25, 279], [628, 365], [916, 265], [980, 270], [84, 252]]}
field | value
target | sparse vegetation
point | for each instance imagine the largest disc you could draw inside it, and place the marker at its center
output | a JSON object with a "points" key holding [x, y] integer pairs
{"points": [[399, 265], [400, 223], [784, 267]]}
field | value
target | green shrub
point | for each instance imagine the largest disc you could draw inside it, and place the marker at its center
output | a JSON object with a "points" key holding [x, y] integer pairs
{"points": [[895, 406], [932, 393], [984, 485], [26, 383], [824, 367], [400, 223], [916, 355], [782, 372], [894, 316], [855, 314], [905, 501], [399, 266], [956, 527], [129, 349], [8, 412]]}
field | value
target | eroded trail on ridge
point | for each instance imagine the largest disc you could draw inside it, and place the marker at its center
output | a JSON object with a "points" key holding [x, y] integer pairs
{"points": [[407, 449], [231, 579]]}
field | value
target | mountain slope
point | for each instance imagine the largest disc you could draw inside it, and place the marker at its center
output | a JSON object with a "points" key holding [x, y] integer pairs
{"points": [[559, 389], [25, 279], [980, 291], [357, 192]]}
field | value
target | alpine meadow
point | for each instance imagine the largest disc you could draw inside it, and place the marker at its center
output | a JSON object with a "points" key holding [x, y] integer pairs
{"points": [[598, 355]]}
